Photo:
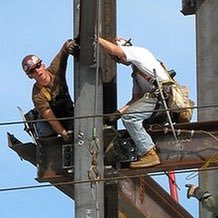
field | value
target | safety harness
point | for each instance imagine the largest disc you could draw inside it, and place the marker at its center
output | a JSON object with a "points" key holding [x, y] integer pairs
{"points": [[45, 92]]}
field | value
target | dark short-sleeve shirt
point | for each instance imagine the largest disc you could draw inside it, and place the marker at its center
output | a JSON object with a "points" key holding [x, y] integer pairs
{"points": [[57, 93]]}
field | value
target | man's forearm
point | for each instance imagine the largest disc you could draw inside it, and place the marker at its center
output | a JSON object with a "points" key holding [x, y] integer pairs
{"points": [[110, 48], [55, 124], [134, 99]]}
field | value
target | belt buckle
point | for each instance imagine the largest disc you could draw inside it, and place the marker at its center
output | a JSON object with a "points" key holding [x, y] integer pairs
{"points": [[150, 95], [147, 95]]}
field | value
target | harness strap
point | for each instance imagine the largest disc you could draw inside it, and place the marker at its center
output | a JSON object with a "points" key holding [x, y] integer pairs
{"points": [[166, 71], [45, 92], [137, 71]]}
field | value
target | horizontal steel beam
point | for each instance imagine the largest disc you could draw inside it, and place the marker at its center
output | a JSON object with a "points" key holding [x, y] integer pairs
{"points": [[143, 197], [28, 152], [197, 145]]}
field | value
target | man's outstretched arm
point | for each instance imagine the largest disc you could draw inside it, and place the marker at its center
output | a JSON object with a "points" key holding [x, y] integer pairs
{"points": [[111, 48]]}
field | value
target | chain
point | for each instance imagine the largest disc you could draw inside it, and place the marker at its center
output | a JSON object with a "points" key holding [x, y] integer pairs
{"points": [[93, 173], [94, 148], [141, 189]]}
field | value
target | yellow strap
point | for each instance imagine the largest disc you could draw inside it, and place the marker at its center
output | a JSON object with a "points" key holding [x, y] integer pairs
{"points": [[45, 92], [166, 71]]}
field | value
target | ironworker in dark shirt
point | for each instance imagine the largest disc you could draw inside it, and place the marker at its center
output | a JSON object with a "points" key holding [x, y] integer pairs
{"points": [[50, 93], [209, 201]]}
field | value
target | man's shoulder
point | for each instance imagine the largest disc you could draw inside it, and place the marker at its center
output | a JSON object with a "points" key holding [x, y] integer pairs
{"points": [[36, 86], [36, 91], [136, 49]]}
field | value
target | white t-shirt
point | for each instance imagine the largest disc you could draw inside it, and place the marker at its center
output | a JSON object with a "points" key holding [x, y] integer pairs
{"points": [[144, 60]]}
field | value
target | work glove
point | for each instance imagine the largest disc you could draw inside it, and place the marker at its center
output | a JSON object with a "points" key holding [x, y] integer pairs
{"points": [[67, 136], [72, 47], [195, 191], [112, 118]]}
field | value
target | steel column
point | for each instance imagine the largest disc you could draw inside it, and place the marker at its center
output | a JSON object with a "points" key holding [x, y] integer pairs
{"points": [[108, 66], [207, 79], [89, 198]]}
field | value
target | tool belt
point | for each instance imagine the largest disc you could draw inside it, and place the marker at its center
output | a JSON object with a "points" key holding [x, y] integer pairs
{"points": [[151, 84], [150, 95]]}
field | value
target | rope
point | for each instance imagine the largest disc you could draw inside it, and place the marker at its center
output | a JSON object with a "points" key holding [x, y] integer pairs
{"points": [[210, 160]]}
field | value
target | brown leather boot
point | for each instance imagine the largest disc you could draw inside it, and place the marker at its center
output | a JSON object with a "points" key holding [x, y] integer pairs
{"points": [[149, 159]]}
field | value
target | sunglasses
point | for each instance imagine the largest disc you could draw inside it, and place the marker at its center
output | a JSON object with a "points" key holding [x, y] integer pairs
{"points": [[36, 67]]}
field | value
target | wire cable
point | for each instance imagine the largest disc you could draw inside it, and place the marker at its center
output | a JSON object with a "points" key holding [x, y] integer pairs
{"points": [[100, 115], [203, 168], [109, 179]]}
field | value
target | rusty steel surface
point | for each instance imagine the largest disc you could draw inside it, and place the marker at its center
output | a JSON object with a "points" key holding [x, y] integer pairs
{"points": [[146, 198], [45, 173], [196, 147], [211, 125], [197, 143], [188, 7], [47, 156], [108, 66], [50, 161], [26, 151]]}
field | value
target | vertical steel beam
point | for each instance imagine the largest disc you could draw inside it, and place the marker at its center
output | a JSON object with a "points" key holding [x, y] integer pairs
{"points": [[108, 29], [111, 200], [108, 66], [89, 199], [207, 79]]}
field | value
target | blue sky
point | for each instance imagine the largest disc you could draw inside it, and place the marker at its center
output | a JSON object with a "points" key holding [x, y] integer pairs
{"points": [[41, 27]]}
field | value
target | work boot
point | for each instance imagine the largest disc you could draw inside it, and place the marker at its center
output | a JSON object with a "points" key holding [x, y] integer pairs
{"points": [[149, 159]]}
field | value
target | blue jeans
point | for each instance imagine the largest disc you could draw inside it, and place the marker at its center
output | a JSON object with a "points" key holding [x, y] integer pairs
{"points": [[133, 123], [45, 130]]}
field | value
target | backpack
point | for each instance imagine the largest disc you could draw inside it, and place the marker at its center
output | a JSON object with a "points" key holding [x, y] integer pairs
{"points": [[177, 99]]}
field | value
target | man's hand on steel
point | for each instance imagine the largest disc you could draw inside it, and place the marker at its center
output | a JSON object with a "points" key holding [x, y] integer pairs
{"points": [[112, 118], [72, 47], [67, 136]]}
